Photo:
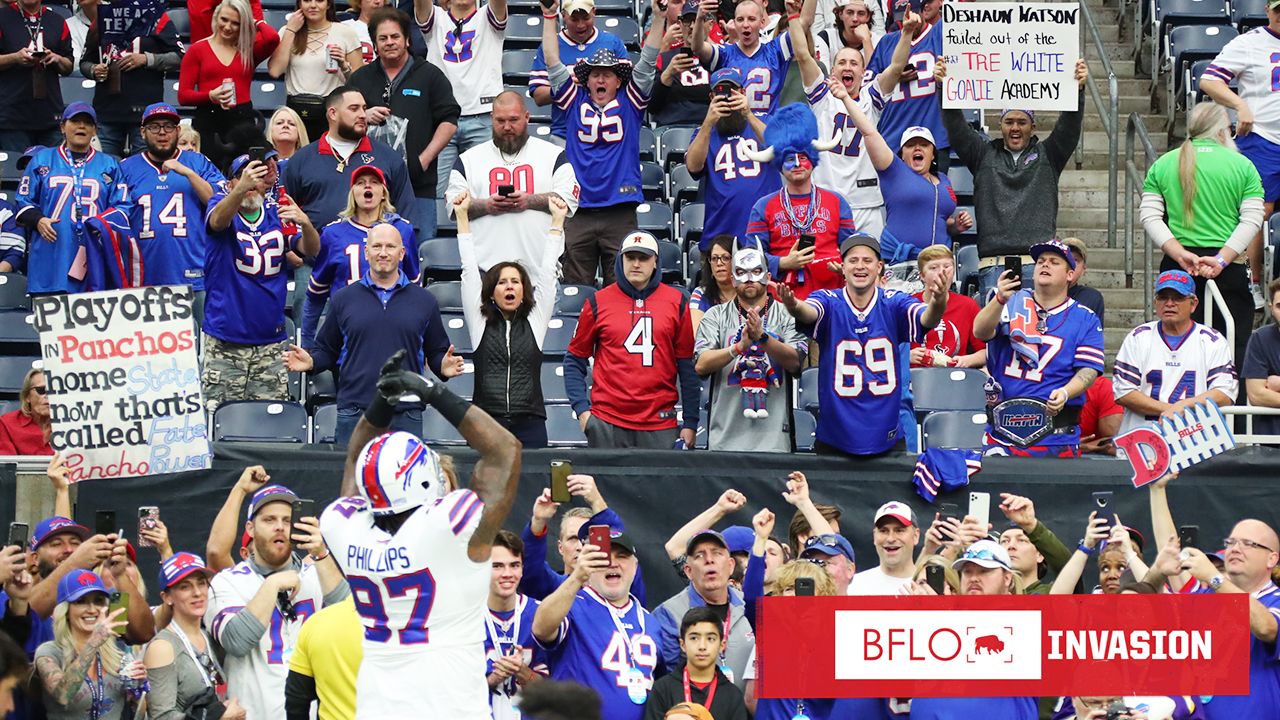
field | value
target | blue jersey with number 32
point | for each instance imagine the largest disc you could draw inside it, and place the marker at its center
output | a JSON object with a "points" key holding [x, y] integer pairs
{"points": [[858, 357], [247, 278]]}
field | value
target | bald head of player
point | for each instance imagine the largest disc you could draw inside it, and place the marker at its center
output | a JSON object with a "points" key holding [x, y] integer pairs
{"points": [[749, 18], [1251, 554], [510, 122], [384, 249]]}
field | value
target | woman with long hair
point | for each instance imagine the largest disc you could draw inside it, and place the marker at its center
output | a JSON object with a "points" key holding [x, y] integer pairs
{"points": [[287, 134], [715, 285], [26, 431], [182, 667], [1214, 199], [1116, 552], [507, 327], [315, 56], [83, 671], [217, 72]]}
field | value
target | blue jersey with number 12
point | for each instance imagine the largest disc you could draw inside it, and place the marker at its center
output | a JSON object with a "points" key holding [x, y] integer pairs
{"points": [[858, 356], [913, 102], [763, 72], [246, 278], [733, 184]]}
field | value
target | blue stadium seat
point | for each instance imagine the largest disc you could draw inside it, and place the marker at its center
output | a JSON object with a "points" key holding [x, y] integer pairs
{"points": [[614, 8], [77, 89], [268, 95], [448, 295], [171, 91], [321, 389], [440, 259], [625, 28], [464, 385], [181, 21], [562, 427], [260, 421], [438, 431], [962, 183], [456, 326], [446, 224], [276, 17], [10, 175], [671, 261], [691, 218], [516, 63], [807, 395], [1189, 43], [553, 391], [948, 389], [653, 181], [805, 426], [693, 265], [684, 189], [571, 298], [648, 144], [537, 113], [673, 143], [655, 218], [959, 429], [13, 292], [523, 32], [524, 7], [559, 333], [1248, 14], [17, 335], [13, 368], [966, 267], [324, 425]]}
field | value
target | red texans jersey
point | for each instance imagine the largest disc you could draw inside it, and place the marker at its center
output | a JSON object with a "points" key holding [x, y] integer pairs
{"points": [[954, 335]]}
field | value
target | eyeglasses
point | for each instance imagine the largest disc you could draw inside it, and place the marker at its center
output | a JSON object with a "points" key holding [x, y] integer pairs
{"points": [[720, 259], [41, 390], [161, 127], [1232, 542], [982, 554]]}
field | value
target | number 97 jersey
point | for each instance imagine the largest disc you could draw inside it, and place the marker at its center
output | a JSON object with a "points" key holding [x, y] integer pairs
{"points": [[420, 599]]}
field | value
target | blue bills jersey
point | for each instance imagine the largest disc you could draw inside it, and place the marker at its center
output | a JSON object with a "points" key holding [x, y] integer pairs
{"points": [[167, 218], [1064, 339], [247, 278], [600, 647], [605, 156], [68, 192], [503, 632], [763, 73], [913, 102], [860, 392], [1005, 708], [1264, 674], [733, 184], [570, 54]]}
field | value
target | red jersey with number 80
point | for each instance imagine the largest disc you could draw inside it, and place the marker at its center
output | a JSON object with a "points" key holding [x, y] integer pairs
{"points": [[636, 343]]}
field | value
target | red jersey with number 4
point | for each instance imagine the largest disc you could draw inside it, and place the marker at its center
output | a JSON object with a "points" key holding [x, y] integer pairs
{"points": [[954, 335], [636, 343]]}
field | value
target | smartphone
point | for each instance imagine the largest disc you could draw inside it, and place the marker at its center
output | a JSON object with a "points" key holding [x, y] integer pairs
{"points": [[1013, 264], [804, 587], [686, 50], [148, 516], [806, 242], [560, 472], [505, 190], [104, 522], [18, 534], [302, 509], [257, 154], [1189, 536], [1102, 502], [980, 508], [119, 600], [936, 577], [948, 511], [599, 536]]}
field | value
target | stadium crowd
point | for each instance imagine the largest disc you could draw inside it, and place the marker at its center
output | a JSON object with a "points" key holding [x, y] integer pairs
{"points": [[401, 199]]}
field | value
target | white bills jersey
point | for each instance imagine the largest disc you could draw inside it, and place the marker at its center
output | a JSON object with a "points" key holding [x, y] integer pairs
{"points": [[1250, 60], [1171, 369], [421, 600], [469, 52], [846, 169], [257, 679]]}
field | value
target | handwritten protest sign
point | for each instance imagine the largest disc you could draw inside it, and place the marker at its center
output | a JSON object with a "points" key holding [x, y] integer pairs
{"points": [[1011, 55], [1176, 443], [124, 382]]}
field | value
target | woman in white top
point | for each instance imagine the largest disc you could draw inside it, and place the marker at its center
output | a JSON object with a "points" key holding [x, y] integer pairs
{"points": [[316, 55], [358, 20]]}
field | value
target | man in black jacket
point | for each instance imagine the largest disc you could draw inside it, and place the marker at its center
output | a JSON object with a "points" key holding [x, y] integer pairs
{"points": [[398, 85]]}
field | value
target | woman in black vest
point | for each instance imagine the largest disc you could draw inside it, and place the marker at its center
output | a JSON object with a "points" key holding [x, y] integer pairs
{"points": [[508, 333]]}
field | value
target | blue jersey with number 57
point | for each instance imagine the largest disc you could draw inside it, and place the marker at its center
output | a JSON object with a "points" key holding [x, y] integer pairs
{"points": [[247, 278], [858, 357], [913, 102], [734, 183], [763, 72]]}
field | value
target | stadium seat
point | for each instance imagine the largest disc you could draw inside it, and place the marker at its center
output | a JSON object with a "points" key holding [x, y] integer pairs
{"points": [[672, 145], [17, 335], [691, 218], [966, 267], [571, 298], [12, 369], [77, 89], [1189, 43], [655, 218], [8, 406], [324, 425], [276, 17], [684, 189], [524, 7], [523, 32], [559, 333], [624, 28], [440, 259], [446, 224], [948, 389], [693, 265], [268, 95], [9, 172], [970, 235], [807, 390], [671, 260], [438, 431], [464, 385], [553, 391], [614, 8], [260, 421], [456, 326], [562, 427], [181, 21], [974, 117], [1248, 14], [516, 63], [321, 389], [960, 429], [805, 426], [13, 292], [448, 295], [284, 5], [648, 144], [171, 92], [962, 183], [537, 113], [653, 181]]}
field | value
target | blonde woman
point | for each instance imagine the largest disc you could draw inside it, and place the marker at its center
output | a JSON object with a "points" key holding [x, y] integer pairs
{"points": [[315, 56], [287, 134], [919, 581], [1214, 199], [188, 138], [82, 670]]}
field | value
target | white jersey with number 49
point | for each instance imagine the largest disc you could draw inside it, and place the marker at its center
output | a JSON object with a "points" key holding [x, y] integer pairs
{"points": [[421, 599], [1170, 373]]}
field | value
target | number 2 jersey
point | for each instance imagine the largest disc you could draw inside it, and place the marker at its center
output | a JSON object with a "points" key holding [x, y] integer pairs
{"points": [[858, 359], [246, 278], [1172, 369], [421, 600], [257, 679]]}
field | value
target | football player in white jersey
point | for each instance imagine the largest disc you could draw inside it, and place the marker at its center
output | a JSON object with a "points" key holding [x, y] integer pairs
{"points": [[1169, 364], [256, 608], [416, 553], [847, 168]]}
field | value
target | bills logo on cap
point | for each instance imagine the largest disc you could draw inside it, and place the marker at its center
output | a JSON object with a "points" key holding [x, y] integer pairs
{"points": [[87, 579]]}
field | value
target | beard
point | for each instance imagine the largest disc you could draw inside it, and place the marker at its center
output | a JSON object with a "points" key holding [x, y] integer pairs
{"points": [[252, 202], [730, 125], [161, 154], [349, 132], [510, 145]]}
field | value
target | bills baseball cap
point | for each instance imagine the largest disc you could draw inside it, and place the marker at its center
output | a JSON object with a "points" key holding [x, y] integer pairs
{"points": [[829, 544], [617, 536], [368, 170], [572, 6], [269, 494], [1176, 280], [57, 525], [180, 566], [241, 161], [914, 132], [859, 239], [28, 155], [641, 242], [80, 108], [690, 7], [705, 536], [729, 76], [985, 553], [740, 538], [896, 510], [159, 110], [78, 583], [1053, 245]]}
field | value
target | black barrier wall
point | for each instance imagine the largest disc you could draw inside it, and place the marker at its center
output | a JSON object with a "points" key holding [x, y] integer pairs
{"points": [[658, 491]]}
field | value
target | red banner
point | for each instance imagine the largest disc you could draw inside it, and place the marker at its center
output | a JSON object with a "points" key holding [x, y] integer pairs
{"points": [[1027, 645]]}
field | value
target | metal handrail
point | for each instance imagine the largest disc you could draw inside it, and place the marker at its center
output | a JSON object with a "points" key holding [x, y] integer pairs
{"points": [[1213, 298], [1110, 112], [1136, 130]]}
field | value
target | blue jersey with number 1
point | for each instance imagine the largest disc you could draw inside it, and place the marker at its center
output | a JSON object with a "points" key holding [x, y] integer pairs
{"points": [[858, 357], [913, 102], [247, 278], [734, 183], [763, 72]]}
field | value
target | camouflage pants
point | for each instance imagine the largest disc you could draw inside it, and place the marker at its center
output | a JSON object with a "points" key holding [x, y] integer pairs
{"points": [[243, 372]]}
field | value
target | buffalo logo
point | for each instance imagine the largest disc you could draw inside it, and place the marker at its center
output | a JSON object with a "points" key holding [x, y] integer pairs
{"points": [[989, 646], [87, 579]]}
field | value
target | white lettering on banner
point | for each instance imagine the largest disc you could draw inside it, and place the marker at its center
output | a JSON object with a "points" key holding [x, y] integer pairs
{"points": [[1011, 55], [1135, 645], [959, 644]]}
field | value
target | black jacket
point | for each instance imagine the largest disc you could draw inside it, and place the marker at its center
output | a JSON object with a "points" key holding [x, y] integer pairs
{"points": [[422, 94], [668, 691], [508, 366]]}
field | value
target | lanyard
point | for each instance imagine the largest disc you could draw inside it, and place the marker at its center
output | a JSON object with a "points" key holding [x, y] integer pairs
{"points": [[628, 640], [711, 689], [99, 705], [77, 172], [812, 213], [514, 623], [204, 673]]}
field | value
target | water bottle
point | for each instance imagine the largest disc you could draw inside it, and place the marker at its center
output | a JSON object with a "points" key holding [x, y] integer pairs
{"points": [[133, 686]]}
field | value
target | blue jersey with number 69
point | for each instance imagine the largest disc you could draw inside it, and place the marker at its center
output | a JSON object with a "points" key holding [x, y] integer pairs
{"points": [[734, 183], [858, 366], [247, 278], [166, 218], [763, 72], [913, 102]]}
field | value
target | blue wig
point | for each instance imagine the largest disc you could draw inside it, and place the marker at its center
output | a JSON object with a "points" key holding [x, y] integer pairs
{"points": [[793, 129]]}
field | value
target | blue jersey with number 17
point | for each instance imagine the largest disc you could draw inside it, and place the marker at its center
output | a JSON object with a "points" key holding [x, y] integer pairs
{"points": [[858, 357], [246, 278], [763, 72], [913, 102]]}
